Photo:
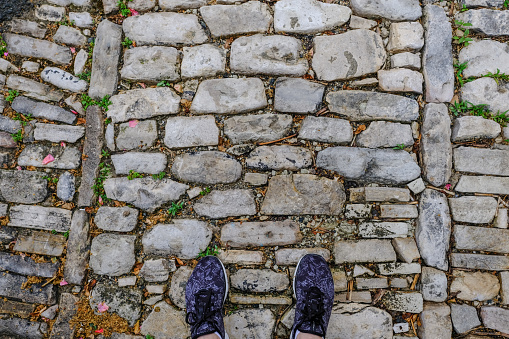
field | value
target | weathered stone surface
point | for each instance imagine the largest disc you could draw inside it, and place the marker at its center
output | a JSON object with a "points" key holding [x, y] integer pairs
{"points": [[229, 96], [141, 136], [436, 321], [203, 61], [164, 28], [69, 36], [406, 249], [348, 55], [22, 328], [480, 261], [371, 283], [379, 194], [481, 239], [177, 291], [433, 229], [474, 127], [43, 110], [495, 318], [269, 233], [407, 59], [182, 132], [354, 296], [142, 5], [157, 270], [112, 254], [27, 266], [405, 37], [35, 48], [241, 257], [437, 60], [10, 286], [25, 187], [126, 302], [6, 140], [474, 285], [145, 193], [167, 323], [236, 298], [436, 148], [78, 248], [271, 55], [504, 280], [257, 128], [486, 91], [475, 210], [366, 106], [396, 10], [356, 22], [143, 104], [151, 64], [31, 28], [38, 217], [383, 229], [105, 60], [50, 13], [172, 5], [81, 19], [483, 3], [57, 133], [224, 20], [308, 16], [67, 309], [464, 317], [250, 323], [41, 243], [433, 285], [280, 157], [372, 250], [404, 302], [357, 211], [206, 167], [385, 134], [222, 204], [398, 211], [303, 194], [297, 95], [118, 219], [15, 307], [141, 162], [359, 321], [486, 21], [259, 281], [383, 166], [484, 56], [9, 125], [184, 238], [481, 161], [329, 130], [34, 89], [400, 80], [291, 256]]}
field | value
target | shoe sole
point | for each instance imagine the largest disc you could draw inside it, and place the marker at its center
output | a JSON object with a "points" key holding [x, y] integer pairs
{"points": [[226, 292], [294, 275]]}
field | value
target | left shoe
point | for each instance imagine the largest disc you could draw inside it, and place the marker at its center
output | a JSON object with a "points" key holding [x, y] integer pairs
{"points": [[206, 292]]}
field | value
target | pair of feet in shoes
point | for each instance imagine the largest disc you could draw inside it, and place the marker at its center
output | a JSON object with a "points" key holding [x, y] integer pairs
{"points": [[207, 289]]}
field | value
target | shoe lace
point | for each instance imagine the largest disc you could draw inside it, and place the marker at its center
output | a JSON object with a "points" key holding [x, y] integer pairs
{"points": [[204, 312], [313, 308]]}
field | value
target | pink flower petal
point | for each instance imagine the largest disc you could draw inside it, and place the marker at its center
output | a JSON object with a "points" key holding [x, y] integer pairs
{"points": [[100, 200], [143, 85], [134, 12], [99, 331], [62, 144], [49, 158], [18, 168], [73, 50], [133, 123], [448, 186], [63, 283], [102, 307], [6, 54], [76, 113]]}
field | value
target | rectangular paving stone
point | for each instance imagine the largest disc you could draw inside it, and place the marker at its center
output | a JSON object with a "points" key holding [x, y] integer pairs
{"points": [[23, 187], [486, 21], [151, 64], [236, 298], [483, 184], [383, 229], [10, 286], [399, 211], [20, 309], [26, 27], [77, 248], [480, 261], [35, 48], [65, 158], [481, 239], [481, 161], [291, 256], [371, 283], [371, 250], [68, 307], [27, 266], [41, 243], [399, 268], [105, 60], [182, 132], [241, 257], [266, 233], [222, 204], [43, 110], [38, 217], [379, 194], [22, 328], [472, 209], [34, 89], [403, 302], [363, 297], [57, 133]]}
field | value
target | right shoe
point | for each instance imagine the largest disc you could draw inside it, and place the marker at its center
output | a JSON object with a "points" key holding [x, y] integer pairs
{"points": [[314, 290]]}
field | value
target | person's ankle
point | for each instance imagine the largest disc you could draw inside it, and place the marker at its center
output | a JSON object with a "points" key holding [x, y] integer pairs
{"points": [[210, 336], [301, 335]]}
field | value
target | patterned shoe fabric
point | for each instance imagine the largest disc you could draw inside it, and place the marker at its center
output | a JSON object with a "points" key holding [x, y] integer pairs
{"points": [[206, 292], [314, 290]]}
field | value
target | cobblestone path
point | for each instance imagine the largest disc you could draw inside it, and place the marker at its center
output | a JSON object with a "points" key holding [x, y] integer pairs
{"points": [[137, 136]]}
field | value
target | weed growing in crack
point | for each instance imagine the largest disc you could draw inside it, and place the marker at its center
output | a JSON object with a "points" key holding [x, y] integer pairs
{"points": [[459, 74], [175, 208], [18, 136], [159, 176], [12, 94], [127, 42], [400, 146], [497, 76], [87, 101], [209, 251], [98, 187], [463, 39], [122, 7], [50, 179], [133, 175]]}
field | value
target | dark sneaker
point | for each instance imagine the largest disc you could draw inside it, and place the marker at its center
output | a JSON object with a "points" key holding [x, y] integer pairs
{"points": [[314, 290], [206, 292]]}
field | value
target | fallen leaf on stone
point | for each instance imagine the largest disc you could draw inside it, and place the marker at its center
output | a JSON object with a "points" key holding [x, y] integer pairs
{"points": [[133, 123], [360, 129], [49, 158], [81, 121], [102, 307]]}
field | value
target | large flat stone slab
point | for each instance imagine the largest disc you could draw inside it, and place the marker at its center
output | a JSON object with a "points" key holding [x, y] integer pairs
{"points": [[348, 55], [227, 20], [483, 184], [229, 96], [329, 130], [366, 106], [26, 27], [254, 234], [10, 286], [464, 318], [474, 210], [118, 219], [481, 239], [112, 254], [279, 157], [385, 134], [203, 61], [222, 204], [495, 318], [359, 322], [35, 48], [65, 158], [308, 16], [250, 323], [437, 63], [150, 64], [297, 95], [141, 162], [433, 230], [303, 194], [38, 217], [474, 286], [27, 266], [206, 167], [259, 281], [64, 80], [486, 21], [145, 193], [396, 10], [435, 321], [481, 161], [383, 229], [484, 56], [126, 302], [164, 28], [480, 261], [473, 127], [67, 307], [76, 262], [182, 132], [184, 238], [41, 243], [369, 250], [486, 91], [24, 187], [291, 256], [34, 89], [167, 322], [403, 302], [57, 133], [270, 55], [257, 128], [374, 165], [143, 104], [43, 110], [22, 328], [140, 136], [105, 59]]}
